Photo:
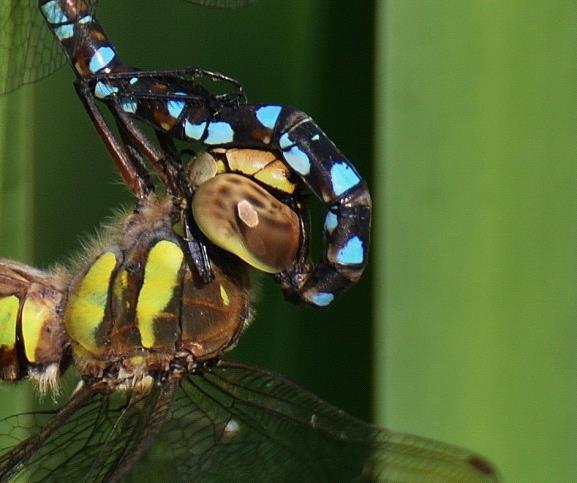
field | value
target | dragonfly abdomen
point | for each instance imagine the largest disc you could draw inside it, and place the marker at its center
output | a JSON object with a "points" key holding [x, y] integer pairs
{"points": [[310, 154], [32, 339], [86, 45]]}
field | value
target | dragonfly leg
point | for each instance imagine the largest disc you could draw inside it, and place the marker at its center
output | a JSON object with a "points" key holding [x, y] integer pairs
{"points": [[129, 156], [167, 169], [193, 74], [132, 170]]}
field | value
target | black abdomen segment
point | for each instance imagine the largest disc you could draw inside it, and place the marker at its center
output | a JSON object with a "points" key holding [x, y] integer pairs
{"points": [[316, 160], [82, 38]]}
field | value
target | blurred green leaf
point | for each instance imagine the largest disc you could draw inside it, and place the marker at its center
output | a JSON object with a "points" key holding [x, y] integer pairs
{"points": [[475, 277]]}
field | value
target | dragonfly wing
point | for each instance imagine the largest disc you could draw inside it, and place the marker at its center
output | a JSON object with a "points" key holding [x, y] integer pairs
{"points": [[35, 445], [245, 424], [221, 3], [94, 437], [133, 432], [28, 49]]}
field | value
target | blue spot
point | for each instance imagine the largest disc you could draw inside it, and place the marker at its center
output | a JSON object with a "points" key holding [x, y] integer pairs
{"points": [[64, 32], [343, 177], [352, 253], [53, 13], [298, 160], [194, 131], [316, 137], [219, 133], [175, 108], [129, 105], [322, 299], [268, 115], [284, 141], [101, 58], [331, 222], [86, 19], [133, 80], [103, 89]]}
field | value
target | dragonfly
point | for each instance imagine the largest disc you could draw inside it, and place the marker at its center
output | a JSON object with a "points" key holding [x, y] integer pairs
{"points": [[178, 107], [146, 335], [145, 329]]}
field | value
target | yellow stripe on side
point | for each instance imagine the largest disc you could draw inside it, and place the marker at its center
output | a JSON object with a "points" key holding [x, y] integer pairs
{"points": [[34, 314], [120, 284], [224, 296], [85, 311], [8, 318], [160, 278]]}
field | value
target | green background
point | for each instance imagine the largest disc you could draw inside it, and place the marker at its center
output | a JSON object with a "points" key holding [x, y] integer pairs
{"points": [[462, 117]]}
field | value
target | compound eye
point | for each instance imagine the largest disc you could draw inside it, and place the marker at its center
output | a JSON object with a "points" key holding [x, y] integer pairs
{"points": [[238, 215]]}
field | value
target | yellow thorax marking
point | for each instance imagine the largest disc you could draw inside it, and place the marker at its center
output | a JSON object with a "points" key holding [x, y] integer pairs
{"points": [[8, 317], [120, 284], [160, 278], [85, 311], [224, 296]]}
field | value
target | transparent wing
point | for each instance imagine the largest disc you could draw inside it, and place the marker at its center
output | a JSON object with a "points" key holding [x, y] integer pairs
{"points": [[94, 437], [221, 3], [232, 423], [245, 424], [28, 49]]}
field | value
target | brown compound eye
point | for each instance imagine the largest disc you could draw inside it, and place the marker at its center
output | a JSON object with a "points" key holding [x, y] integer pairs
{"points": [[243, 218]]}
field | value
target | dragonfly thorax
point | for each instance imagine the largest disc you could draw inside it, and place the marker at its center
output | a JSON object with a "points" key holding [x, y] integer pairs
{"points": [[134, 311], [139, 310]]}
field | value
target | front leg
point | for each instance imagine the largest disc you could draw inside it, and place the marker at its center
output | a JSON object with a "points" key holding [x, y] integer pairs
{"points": [[132, 170], [128, 157]]}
